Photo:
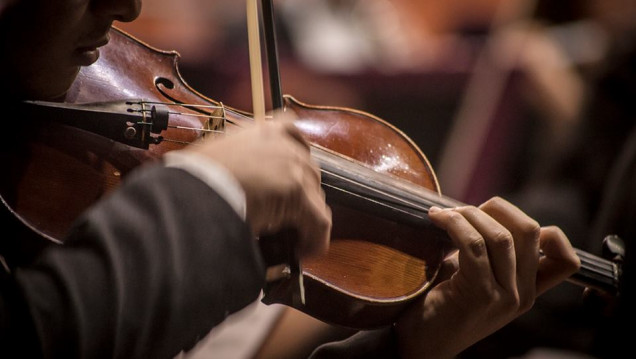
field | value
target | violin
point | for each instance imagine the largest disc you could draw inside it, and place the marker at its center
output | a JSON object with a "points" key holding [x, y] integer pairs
{"points": [[132, 106]]}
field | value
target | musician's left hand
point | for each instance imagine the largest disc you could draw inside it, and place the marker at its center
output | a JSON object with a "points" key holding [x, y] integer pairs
{"points": [[494, 277]]}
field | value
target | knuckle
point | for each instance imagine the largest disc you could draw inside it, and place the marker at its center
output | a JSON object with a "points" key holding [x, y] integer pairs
{"points": [[492, 203], [503, 239], [468, 209], [455, 218], [553, 232], [531, 228], [477, 245]]}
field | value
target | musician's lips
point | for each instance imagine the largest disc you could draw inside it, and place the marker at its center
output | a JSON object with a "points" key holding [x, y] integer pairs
{"points": [[88, 54]]}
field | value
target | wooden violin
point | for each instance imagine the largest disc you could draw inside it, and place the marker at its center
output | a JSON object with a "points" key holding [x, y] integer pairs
{"points": [[132, 106]]}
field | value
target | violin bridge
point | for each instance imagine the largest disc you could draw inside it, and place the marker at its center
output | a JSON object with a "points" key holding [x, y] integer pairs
{"points": [[215, 123]]}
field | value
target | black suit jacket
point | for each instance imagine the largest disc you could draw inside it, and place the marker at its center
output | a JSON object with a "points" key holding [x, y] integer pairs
{"points": [[145, 273]]}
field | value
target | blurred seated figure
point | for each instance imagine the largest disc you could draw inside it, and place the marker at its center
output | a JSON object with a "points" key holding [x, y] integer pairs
{"points": [[585, 185], [352, 36]]}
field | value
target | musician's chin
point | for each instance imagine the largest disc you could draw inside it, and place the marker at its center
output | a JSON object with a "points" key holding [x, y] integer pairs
{"points": [[87, 57]]}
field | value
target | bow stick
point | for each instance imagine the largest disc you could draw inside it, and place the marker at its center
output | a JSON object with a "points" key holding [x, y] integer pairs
{"points": [[258, 99]]}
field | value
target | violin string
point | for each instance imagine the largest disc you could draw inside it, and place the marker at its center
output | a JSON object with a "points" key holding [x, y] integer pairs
{"points": [[409, 204], [146, 111], [403, 201], [196, 129], [179, 142], [593, 264], [604, 272], [195, 115], [214, 107], [597, 264], [589, 259], [385, 204], [589, 262], [194, 105], [592, 258]]}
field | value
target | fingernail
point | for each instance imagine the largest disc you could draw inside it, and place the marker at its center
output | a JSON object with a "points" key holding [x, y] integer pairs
{"points": [[434, 209]]}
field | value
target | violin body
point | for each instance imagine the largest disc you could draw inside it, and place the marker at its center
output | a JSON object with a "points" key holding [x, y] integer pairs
{"points": [[375, 265]]}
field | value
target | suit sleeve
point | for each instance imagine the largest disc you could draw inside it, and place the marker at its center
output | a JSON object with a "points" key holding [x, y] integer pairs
{"points": [[145, 273]]}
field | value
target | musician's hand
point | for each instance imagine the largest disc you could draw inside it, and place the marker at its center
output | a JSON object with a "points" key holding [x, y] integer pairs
{"points": [[493, 278], [271, 161]]}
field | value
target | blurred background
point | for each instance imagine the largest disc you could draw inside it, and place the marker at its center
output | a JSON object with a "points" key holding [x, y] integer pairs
{"points": [[525, 99]]}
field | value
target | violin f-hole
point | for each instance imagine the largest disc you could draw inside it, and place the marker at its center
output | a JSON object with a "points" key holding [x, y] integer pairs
{"points": [[216, 119]]}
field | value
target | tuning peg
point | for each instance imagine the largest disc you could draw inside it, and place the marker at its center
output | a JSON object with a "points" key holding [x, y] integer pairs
{"points": [[613, 248]]}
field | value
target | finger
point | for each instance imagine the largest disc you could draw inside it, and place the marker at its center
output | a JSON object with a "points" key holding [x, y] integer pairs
{"points": [[449, 266], [525, 232], [312, 215], [286, 121], [474, 265], [559, 260], [500, 245], [315, 227], [296, 178]]}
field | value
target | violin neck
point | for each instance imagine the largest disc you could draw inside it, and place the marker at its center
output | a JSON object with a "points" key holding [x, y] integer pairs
{"points": [[407, 203], [597, 273]]}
